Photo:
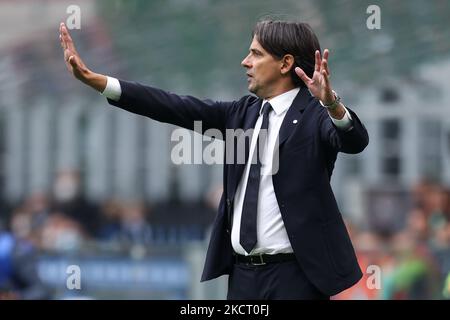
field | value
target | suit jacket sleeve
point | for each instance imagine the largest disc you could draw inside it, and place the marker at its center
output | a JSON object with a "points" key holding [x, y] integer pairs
{"points": [[351, 141], [170, 108]]}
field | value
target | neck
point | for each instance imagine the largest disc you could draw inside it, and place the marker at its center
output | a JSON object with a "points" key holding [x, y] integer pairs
{"points": [[285, 87]]}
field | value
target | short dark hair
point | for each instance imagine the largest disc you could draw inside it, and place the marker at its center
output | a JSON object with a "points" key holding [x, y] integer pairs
{"points": [[284, 37]]}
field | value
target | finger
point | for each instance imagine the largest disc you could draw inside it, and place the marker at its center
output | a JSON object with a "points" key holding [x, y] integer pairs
{"points": [[67, 38], [326, 52], [317, 64], [63, 45], [67, 54], [302, 75], [325, 78], [325, 66], [71, 60], [62, 36], [61, 39]]}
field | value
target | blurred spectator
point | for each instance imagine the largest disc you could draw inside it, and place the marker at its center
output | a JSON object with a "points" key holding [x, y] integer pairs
{"points": [[368, 253], [435, 199], [26, 226], [18, 270], [134, 228], [414, 260], [38, 205], [418, 225], [110, 215], [419, 192], [414, 275], [69, 200], [62, 233]]}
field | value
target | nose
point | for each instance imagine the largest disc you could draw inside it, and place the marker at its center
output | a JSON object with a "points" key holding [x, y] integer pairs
{"points": [[246, 63]]}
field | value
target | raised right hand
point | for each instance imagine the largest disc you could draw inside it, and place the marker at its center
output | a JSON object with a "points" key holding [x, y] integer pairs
{"points": [[74, 63], [71, 57]]}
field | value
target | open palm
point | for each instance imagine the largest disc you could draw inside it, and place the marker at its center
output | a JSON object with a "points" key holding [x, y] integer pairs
{"points": [[71, 57], [319, 84]]}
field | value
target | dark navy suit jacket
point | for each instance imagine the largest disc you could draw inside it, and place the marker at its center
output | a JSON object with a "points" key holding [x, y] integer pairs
{"points": [[307, 152]]}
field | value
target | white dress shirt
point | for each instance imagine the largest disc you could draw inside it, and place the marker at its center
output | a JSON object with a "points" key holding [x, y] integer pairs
{"points": [[112, 90], [272, 237]]}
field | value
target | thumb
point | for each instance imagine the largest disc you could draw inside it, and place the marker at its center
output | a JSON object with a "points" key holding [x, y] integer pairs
{"points": [[73, 62]]}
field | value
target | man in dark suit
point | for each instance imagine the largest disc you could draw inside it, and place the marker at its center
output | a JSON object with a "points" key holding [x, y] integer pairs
{"points": [[278, 233]]}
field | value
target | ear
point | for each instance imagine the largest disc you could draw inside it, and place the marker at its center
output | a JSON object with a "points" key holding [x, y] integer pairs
{"points": [[287, 63]]}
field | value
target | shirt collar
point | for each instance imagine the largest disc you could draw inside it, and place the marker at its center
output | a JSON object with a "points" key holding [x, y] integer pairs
{"points": [[282, 102]]}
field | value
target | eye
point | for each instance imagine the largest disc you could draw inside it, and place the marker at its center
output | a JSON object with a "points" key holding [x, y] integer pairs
{"points": [[255, 53]]}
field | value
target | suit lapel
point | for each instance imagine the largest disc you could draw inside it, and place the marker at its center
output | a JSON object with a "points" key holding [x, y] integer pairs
{"points": [[295, 111], [249, 123]]}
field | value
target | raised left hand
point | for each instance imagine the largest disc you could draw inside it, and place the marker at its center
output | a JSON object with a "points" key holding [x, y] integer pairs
{"points": [[319, 84]]}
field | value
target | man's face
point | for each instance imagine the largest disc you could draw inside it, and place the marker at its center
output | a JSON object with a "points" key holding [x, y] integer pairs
{"points": [[263, 70]]}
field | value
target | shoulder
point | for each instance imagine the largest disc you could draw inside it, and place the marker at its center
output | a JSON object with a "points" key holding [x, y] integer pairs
{"points": [[247, 101]]}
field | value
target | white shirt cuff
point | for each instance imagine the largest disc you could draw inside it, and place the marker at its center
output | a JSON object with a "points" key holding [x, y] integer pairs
{"points": [[345, 123], [112, 90]]}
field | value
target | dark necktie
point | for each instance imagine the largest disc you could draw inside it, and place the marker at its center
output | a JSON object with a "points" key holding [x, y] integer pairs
{"points": [[249, 209]]}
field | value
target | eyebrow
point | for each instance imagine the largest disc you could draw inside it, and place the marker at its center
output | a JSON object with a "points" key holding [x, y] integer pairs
{"points": [[253, 50]]}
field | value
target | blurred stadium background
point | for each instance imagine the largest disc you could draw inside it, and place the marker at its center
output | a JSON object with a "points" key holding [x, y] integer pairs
{"points": [[85, 184]]}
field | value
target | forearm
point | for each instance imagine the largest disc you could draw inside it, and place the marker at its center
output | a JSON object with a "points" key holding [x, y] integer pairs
{"points": [[95, 80], [351, 141]]}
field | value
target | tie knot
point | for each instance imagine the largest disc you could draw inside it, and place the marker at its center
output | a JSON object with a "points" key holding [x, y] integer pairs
{"points": [[266, 109]]}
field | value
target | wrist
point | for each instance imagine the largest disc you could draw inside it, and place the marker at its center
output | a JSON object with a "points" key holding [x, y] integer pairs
{"points": [[333, 104], [96, 81], [337, 113]]}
